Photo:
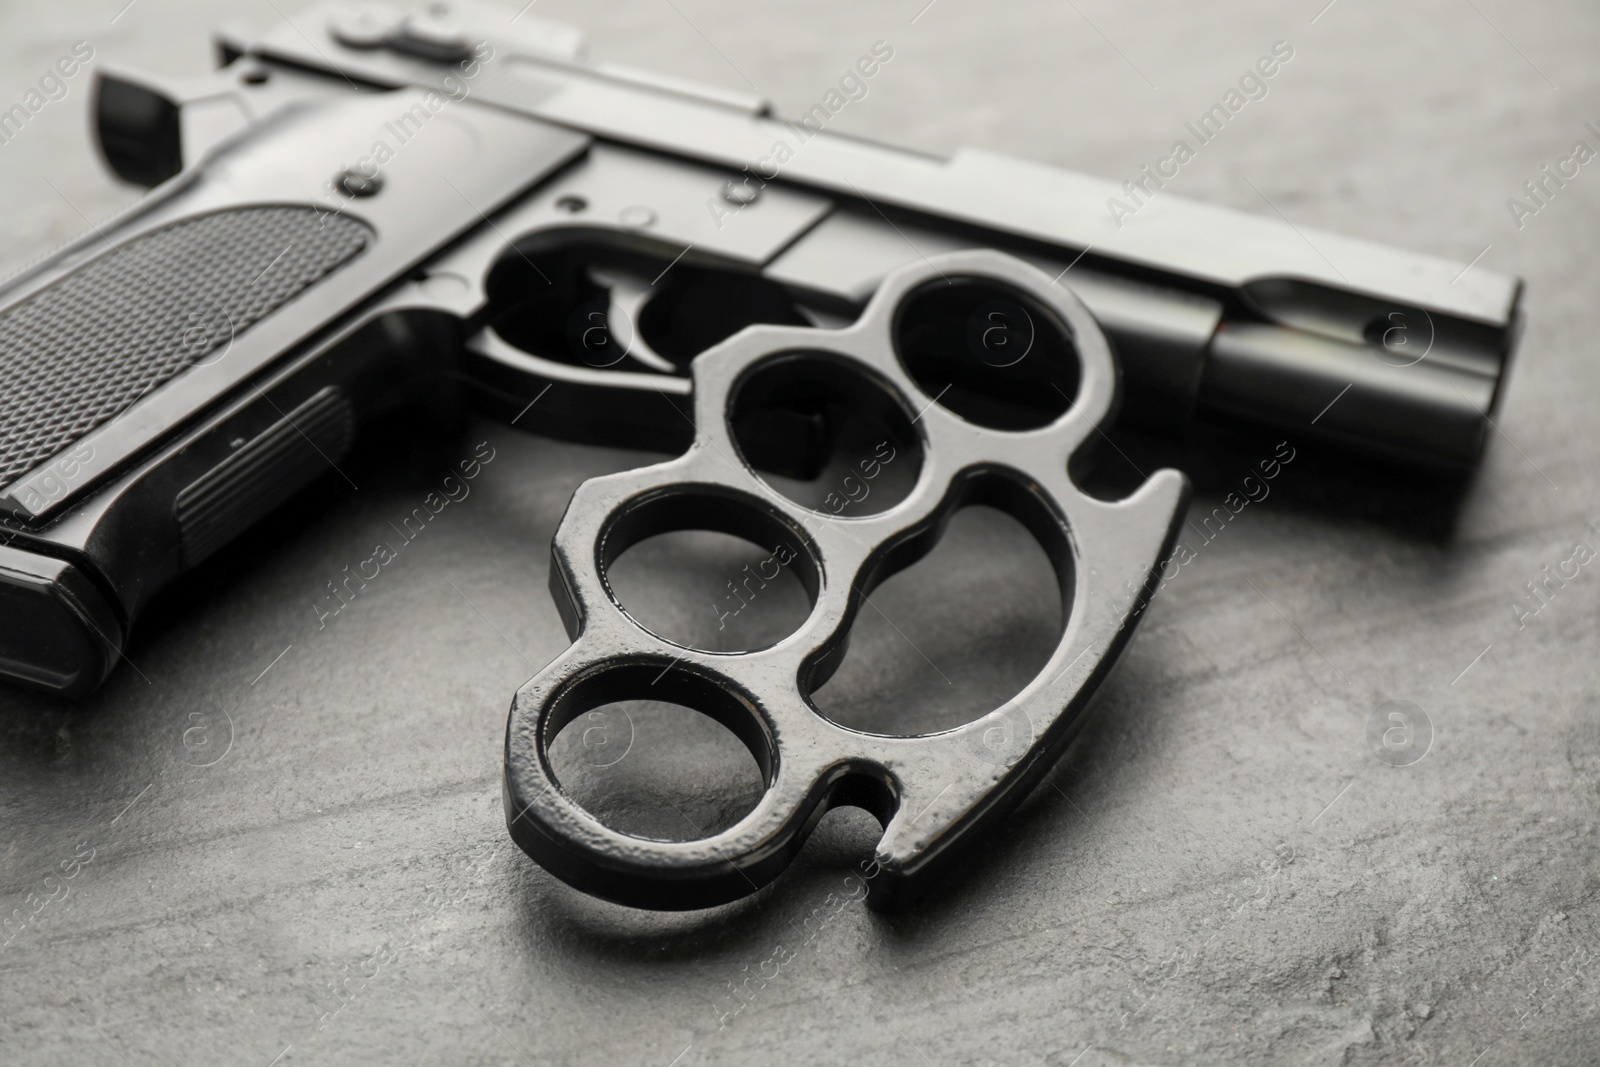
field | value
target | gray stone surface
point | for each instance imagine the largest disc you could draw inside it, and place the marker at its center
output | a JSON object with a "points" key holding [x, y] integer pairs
{"points": [[1221, 872]]}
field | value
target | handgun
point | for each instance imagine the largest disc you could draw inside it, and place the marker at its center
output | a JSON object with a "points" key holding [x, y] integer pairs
{"points": [[368, 208]]}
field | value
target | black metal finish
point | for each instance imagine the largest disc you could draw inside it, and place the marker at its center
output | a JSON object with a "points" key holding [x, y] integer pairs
{"points": [[57, 630], [228, 499], [170, 378], [933, 794], [176, 375], [173, 298]]}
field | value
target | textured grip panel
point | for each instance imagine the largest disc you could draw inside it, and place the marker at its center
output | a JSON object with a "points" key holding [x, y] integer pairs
{"points": [[80, 352], [228, 499]]}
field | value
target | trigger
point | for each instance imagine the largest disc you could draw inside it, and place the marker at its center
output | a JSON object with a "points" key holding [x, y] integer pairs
{"points": [[627, 297]]}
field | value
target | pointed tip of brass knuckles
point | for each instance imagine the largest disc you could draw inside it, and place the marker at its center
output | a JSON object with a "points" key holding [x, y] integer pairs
{"points": [[936, 795]]}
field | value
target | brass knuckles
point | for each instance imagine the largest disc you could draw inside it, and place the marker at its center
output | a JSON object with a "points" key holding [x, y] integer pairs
{"points": [[935, 793]]}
